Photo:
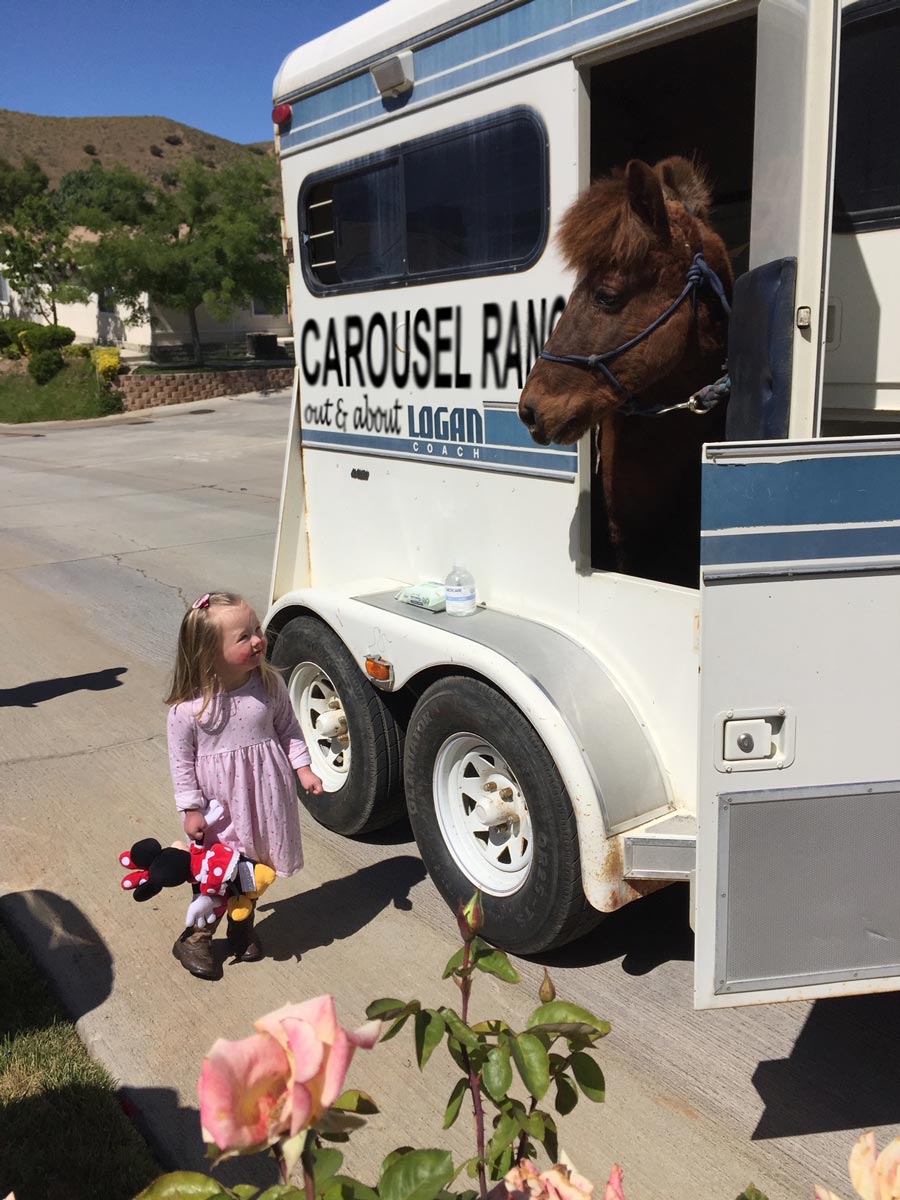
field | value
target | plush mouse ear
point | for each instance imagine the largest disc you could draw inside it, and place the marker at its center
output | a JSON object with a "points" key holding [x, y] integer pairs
{"points": [[142, 853]]}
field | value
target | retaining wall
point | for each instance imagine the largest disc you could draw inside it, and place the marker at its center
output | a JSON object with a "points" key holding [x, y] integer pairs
{"points": [[150, 391]]}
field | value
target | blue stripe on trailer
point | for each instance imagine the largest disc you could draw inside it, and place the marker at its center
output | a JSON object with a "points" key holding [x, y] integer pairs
{"points": [[801, 546], [537, 461], [813, 491], [510, 41], [504, 427]]}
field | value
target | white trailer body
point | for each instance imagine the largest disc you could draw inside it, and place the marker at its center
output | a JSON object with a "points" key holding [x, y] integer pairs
{"points": [[427, 152]]}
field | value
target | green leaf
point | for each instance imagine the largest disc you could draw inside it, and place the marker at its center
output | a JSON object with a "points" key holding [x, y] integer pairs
{"points": [[496, 1074], [430, 1029], [246, 1191], [342, 1187], [550, 1140], [495, 962], [327, 1163], [455, 1102], [752, 1193], [566, 1095], [402, 1017], [419, 1175], [589, 1077], [459, 1029], [281, 1191], [505, 1129], [533, 1063], [184, 1185], [356, 1102], [454, 963], [561, 1017], [385, 1009], [502, 1163]]}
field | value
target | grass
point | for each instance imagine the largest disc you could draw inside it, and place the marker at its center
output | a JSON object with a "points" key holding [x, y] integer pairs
{"points": [[63, 1134], [70, 395]]}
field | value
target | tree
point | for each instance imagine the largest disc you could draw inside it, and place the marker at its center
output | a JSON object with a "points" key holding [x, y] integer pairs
{"points": [[38, 257], [215, 240], [18, 184], [100, 198]]}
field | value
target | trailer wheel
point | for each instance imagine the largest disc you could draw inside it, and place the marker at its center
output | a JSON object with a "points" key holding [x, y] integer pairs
{"points": [[354, 741], [489, 811]]}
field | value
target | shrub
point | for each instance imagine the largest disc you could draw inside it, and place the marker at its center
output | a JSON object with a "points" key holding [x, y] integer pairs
{"points": [[12, 352], [44, 364], [156, 151], [90, 148], [110, 402], [79, 350], [107, 361], [45, 337], [169, 178], [173, 139], [257, 150], [11, 328]]}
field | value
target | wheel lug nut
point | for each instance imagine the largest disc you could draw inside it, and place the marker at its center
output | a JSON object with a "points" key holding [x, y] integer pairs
{"points": [[506, 793], [490, 786], [334, 703]]}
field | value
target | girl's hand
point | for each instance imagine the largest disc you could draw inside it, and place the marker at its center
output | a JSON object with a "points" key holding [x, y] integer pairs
{"points": [[309, 781], [194, 825]]}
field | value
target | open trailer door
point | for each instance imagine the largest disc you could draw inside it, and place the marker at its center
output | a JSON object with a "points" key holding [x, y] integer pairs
{"points": [[799, 772]]}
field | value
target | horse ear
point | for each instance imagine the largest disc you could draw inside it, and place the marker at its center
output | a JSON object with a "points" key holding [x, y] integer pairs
{"points": [[645, 197], [686, 181]]}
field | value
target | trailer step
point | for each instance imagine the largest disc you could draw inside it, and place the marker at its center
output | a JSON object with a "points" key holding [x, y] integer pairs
{"points": [[665, 849]]}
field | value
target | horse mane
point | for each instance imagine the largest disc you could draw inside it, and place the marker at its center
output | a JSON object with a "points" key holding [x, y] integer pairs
{"points": [[603, 216]]}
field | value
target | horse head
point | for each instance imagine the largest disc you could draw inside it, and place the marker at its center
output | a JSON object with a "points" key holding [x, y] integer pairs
{"points": [[633, 239]]}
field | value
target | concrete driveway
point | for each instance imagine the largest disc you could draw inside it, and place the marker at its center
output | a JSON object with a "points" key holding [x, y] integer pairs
{"points": [[106, 532]]}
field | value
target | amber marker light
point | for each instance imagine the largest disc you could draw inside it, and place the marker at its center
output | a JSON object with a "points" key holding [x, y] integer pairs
{"points": [[379, 671]]}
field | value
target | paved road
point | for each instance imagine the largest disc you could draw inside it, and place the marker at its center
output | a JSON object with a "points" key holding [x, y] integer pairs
{"points": [[106, 530]]}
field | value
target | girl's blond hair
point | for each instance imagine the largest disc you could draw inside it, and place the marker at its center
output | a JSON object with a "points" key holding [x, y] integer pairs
{"points": [[199, 642]]}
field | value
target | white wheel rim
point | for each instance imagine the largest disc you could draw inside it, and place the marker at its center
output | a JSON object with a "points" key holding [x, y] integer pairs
{"points": [[316, 702], [493, 851]]}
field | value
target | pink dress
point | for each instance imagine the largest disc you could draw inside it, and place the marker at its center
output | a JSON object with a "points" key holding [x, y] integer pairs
{"points": [[242, 753]]}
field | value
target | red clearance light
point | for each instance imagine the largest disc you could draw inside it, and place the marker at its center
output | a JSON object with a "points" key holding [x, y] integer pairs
{"points": [[281, 114]]}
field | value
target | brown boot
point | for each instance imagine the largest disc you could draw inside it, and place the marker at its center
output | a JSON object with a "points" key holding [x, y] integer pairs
{"points": [[243, 941], [194, 951]]}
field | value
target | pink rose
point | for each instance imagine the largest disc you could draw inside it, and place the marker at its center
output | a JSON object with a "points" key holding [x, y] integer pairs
{"points": [[874, 1176], [525, 1182], [281, 1080]]}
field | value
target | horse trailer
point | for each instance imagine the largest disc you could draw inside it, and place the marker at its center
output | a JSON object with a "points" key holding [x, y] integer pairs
{"points": [[663, 680]]}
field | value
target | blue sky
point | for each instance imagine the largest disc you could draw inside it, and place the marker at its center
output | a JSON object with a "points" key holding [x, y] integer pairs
{"points": [[206, 63]]}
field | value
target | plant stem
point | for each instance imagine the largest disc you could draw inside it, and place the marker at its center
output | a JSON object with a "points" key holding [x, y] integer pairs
{"points": [[474, 1080], [306, 1160]]}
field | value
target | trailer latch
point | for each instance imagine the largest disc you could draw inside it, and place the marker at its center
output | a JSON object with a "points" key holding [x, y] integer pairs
{"points": [[754, 739]]}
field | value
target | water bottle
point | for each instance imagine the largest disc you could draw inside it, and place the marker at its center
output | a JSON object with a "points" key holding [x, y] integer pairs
{"points": [[460, 588]]}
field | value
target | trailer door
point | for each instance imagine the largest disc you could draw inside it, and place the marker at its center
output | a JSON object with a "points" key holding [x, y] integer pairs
{"points": [[799, 773]]}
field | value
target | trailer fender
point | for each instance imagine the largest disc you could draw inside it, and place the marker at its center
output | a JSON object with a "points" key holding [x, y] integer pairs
{"points": [[601, 747]]}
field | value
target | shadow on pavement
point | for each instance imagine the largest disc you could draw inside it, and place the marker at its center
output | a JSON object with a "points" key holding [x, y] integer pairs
{"points": [[841, 1074], [337, 909], [40, 1158], [644, 934], [30, 695], [65, 946]]}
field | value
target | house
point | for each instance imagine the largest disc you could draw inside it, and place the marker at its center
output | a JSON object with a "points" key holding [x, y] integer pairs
{"points": [[164, 333]]}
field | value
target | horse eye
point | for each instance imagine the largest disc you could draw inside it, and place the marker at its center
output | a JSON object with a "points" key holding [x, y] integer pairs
{"points": [[608, 300]]}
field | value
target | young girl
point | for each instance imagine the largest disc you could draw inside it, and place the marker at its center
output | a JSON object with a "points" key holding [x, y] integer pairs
{"points": [[234, 744]]}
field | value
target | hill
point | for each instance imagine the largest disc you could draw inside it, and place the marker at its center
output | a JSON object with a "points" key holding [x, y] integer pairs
{"points": [[150, 146]]}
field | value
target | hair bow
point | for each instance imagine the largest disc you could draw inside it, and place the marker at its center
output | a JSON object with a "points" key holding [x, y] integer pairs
{"points": [[203, 602]]}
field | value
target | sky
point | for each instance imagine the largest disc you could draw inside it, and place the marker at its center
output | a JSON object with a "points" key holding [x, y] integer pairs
{"points": [[206, 63]]}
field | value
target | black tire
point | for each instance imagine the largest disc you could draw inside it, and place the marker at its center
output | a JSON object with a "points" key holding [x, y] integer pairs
{"points": [[372, 794], [549, 907]]}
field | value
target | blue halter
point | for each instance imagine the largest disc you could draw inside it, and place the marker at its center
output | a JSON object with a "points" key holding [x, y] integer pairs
{"points": [[699, 273]]}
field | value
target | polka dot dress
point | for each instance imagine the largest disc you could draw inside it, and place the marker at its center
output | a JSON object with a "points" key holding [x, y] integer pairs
{"points": [[243, 752]]}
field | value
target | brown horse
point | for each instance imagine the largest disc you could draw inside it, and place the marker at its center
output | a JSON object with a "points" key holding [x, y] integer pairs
{"points": [[635, 339]]}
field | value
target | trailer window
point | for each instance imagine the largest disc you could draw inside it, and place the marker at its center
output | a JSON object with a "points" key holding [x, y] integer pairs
{"points": [[470, 201], [867, 165]]}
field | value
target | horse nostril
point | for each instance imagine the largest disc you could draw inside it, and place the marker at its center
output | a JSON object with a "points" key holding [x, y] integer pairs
{"points": [[528, 415]]}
